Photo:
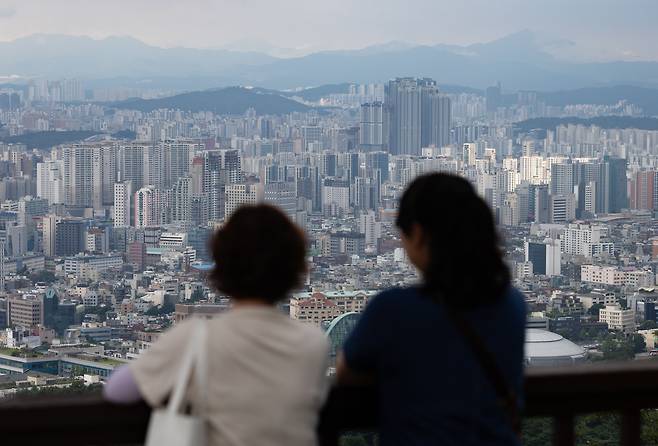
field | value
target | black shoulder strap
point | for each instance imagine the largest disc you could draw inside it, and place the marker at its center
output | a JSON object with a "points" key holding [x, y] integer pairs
{"points": [[488, 363]]}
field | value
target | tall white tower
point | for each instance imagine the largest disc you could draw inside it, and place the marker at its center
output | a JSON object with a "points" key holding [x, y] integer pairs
{"points": [[122, 203]]}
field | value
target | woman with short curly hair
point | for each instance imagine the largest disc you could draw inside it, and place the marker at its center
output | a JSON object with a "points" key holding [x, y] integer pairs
{"points": [[265, 372]]}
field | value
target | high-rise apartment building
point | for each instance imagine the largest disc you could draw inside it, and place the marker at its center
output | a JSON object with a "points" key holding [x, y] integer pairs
{"points": [[592, 188], [241, 194], [371, 228], [220, 167], [584, 240], [89, 175], [78, 171], [182, 200], [403, 101], [123, 195], [70, 237], [284, 196], [71, 90], [562, 208], [49, 228], [545, 256], [644, 190], [154, 165], [562, 178], [371, 126], [617, 183], [378, 161], [365, 193], [50, 181], [435, 116], [103, 175], [130, 164], [147, 204], [494, 98], [2, 266], [335, 196], [179, 154]]}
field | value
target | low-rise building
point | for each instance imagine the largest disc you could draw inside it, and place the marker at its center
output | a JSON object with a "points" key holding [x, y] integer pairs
{"points": [[318, 308], [206, 311], [78, 265], [610, 275], [618, 318], [597, 297], [25, 310]]}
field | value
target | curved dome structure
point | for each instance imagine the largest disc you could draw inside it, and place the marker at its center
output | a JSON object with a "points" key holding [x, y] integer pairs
{"points": [[545, 348], [338, 331]]}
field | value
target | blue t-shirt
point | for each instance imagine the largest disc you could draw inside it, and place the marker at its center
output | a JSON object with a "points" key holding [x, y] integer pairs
{"points": [[432, 389]]}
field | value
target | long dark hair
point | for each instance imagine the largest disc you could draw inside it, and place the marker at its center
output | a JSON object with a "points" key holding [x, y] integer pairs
{"points": [[466, 266]]}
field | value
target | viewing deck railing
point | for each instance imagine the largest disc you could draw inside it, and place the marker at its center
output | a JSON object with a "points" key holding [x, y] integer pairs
{"points": [[560, 393]]}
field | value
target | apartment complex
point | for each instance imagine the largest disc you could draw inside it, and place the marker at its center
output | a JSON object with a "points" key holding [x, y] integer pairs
{"points": [[318, 308]]}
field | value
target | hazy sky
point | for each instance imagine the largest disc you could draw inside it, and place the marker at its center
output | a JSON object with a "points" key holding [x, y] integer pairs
{"points": [[603, 28]]}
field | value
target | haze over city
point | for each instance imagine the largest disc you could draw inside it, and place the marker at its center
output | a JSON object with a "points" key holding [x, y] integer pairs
{"points": [[582, 29]]}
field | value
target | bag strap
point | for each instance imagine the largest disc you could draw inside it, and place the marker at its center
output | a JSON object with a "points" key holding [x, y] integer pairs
{"points": [[490, 367], [194, 354], [201, 368]]}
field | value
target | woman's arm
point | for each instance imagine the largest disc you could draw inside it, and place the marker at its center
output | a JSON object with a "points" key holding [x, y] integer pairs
{"points": [[122, 387]]}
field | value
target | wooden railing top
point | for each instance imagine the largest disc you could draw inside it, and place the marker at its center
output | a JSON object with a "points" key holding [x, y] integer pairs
{"points": [[591, 387], [557, 392]]}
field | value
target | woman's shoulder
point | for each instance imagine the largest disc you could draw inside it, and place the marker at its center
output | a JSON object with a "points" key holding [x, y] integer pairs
{"points": [[395, 293], [393, 298], [311, 334]]}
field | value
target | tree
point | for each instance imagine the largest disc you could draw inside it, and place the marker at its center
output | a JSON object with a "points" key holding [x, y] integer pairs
{"points": [[77, 387], [537, 431], [161, 310], [353, 440], [594, 309], [617, 348], [598, 428], [101, 311], [43, 275], [648, 325], [639, 345]]}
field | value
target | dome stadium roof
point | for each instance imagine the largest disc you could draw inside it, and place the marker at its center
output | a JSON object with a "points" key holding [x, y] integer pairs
{"points": [[547, 348]]}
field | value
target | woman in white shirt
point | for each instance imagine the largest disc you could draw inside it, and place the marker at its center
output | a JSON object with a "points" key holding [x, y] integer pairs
{"points": [[266, 374]]}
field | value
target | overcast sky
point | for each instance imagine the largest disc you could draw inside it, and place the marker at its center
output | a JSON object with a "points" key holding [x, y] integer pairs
{"points": [[603, 29]]}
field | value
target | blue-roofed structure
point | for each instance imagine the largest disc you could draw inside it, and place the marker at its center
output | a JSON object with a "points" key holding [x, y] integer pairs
{"points": [[338, 331]]}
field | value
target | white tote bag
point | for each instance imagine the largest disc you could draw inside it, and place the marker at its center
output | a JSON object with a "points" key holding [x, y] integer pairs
{"points": [[169, 426]]}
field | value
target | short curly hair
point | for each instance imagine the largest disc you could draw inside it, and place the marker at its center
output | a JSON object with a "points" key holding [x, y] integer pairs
{"points": [[258, 253]]}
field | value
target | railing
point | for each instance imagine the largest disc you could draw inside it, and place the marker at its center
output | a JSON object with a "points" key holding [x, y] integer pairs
{"points": [[561, 393]]}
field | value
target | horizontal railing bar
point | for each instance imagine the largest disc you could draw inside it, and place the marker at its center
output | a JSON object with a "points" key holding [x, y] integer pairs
{"points": [[591, 387], [560, 393]]}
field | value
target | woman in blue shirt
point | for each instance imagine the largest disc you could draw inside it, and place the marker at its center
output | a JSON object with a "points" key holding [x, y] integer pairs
{"points": [[446, 356]]}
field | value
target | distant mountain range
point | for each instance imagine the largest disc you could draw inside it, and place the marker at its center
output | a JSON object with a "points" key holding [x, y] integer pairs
{"points": [[55, 56], [227, 101], [519, 61]]}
